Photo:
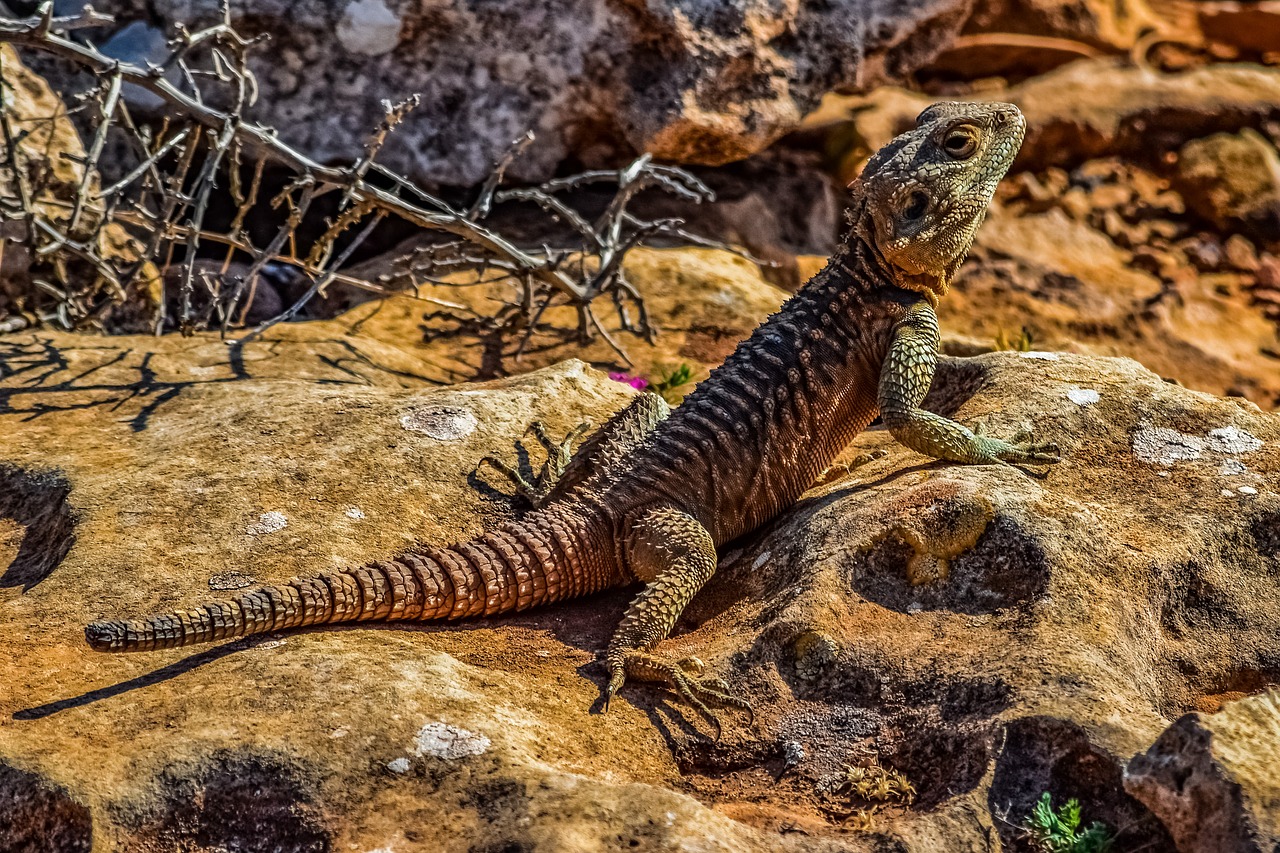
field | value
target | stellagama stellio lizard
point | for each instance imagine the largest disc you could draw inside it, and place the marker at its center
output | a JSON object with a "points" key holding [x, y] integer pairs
{"points": [[649, 497]]}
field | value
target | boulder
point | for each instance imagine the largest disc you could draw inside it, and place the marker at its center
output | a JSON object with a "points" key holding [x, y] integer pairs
{"points": [[1073, 288], [700, 301], [1087, 109], [704, 82], [1233, 181], [1212, 778], [986, 634]]}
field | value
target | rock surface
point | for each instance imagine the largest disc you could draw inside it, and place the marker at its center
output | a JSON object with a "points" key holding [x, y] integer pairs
{"points": [[1061, 622], [1233, 180], [1087, 109], [1212, 778], [702, 301], [708, 81]]}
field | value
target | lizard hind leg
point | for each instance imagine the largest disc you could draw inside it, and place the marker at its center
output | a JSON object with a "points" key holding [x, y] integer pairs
{"points": [[675, 556]]}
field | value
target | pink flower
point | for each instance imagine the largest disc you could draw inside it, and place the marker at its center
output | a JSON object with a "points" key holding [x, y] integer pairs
{"points": [[637, 382]]}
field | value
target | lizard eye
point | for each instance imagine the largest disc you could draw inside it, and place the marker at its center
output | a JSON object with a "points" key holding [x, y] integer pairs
{"points": [[917, 204], [960, 142]]}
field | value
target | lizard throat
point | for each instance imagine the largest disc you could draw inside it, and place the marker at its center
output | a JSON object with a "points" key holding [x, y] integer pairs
{"points": [[932, 288]]}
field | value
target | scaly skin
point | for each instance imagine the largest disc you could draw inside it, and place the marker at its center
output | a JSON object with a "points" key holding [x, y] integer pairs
{"points": [[650, 497]]}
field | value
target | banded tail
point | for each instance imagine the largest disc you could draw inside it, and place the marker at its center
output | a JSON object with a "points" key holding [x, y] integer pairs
{"points": [[547, 556]]}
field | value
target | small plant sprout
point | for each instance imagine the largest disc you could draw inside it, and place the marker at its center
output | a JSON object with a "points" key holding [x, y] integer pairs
{"points": [[876, 784], [1058, 831], [1020, 342], [670, 385]]}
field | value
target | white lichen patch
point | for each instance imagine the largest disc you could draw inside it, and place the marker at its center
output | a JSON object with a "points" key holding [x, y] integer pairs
{"points": [[369, 27], [443, 423], [441, 740], [398, 765], [353, 512], [1083, 396], [1247, 490], [268, 522], [1041, 356], [1231, 439], [1232, 468], [1164, 446]]}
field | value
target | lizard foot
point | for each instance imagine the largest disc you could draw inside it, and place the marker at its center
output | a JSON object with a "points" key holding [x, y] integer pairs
{"points": [[682, 676], [535, 491], [1018, 449]]}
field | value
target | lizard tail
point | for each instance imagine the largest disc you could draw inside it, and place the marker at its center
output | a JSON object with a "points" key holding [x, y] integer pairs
{"points": [[545, 557]]}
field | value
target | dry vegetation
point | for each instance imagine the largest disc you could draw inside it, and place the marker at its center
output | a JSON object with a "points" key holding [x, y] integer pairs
{"points": [[143, 250]]}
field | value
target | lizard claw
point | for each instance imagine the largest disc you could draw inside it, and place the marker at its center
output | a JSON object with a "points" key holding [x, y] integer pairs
{"points": [[1043, 453], [1017, 450], [617, 677], [682, 677]]}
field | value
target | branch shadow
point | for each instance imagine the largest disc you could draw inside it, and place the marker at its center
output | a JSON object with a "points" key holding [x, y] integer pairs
{"points": [[40, 368]]}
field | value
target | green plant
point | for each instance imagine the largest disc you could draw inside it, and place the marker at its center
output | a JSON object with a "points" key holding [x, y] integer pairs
{"points": [[1056, 831], [667, 386]]}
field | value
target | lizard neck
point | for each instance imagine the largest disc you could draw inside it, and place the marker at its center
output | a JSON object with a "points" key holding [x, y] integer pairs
{"points": [[756, 434]]}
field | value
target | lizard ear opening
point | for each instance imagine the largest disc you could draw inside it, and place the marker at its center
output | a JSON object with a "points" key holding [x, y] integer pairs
{"points": [[916, 207]]}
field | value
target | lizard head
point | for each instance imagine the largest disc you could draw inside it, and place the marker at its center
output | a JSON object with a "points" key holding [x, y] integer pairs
{"points": [[923, 195]]}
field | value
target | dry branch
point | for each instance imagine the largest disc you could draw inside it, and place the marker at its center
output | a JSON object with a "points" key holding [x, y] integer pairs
{"points": [[205, 85]]}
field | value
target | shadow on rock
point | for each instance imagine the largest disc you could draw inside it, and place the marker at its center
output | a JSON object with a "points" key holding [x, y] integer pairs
{"points": [[37, 503], [231, 801], [40, 817]]}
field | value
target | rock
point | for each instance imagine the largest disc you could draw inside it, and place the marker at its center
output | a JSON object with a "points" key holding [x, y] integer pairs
{"points": [[1086, 110], [1232, 180], [1015, 39], [1211, 778], [1072, 288], [1062, 621], [1105, 25], [704, 82], [1253, 27], [703, 301]]}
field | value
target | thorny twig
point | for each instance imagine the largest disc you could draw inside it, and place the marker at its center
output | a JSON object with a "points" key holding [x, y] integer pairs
{"points": [[166, 195]]}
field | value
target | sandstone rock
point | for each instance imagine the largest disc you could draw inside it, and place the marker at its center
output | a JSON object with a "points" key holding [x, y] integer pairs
{"points": [[1098, 23], [702, 301], [1065, 620], [703, 82], [1232, 180], [1211, 778], [1088, 109], [1253, 26], [1072, 288], [1015, 39]]}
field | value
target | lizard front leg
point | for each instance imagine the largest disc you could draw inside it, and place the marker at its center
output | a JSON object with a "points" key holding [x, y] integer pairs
{"points": [[904, 381], [675, 556], [601, 453]]}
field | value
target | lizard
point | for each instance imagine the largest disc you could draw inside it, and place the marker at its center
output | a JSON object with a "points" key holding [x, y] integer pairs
{"points": [[652, 494]]}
